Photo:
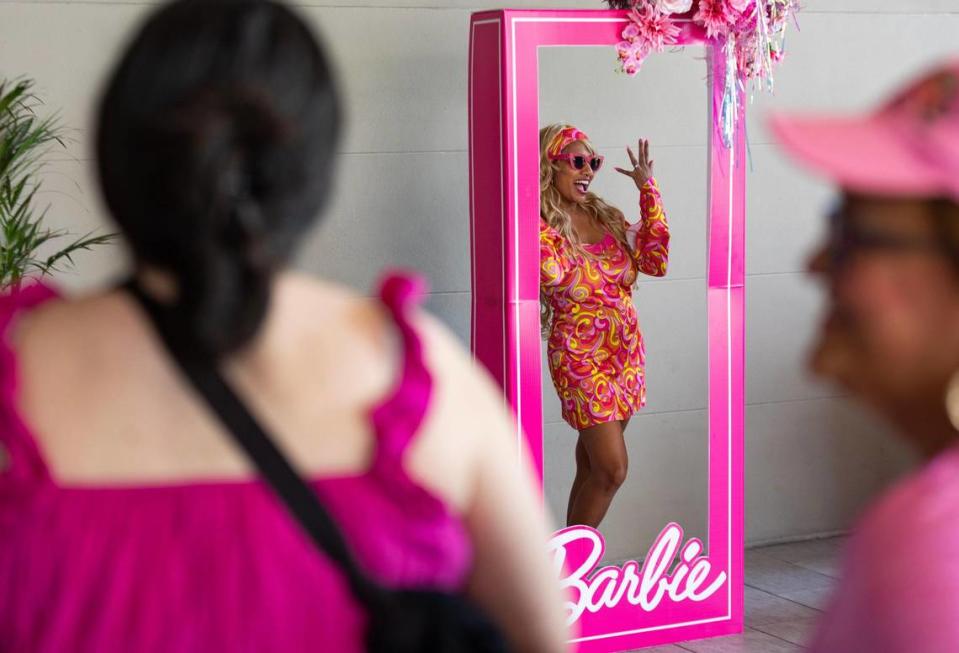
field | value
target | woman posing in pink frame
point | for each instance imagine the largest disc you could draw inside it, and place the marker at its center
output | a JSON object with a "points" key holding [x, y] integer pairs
{"points": [[590, 258]]}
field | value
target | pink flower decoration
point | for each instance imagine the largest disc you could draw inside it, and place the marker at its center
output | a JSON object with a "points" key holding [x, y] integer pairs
{"points": [[651, 28], [624, 50], [656, 30], [674, 6], [640, 51], [717, 16], [631, 55], [631, 50], [741, 5]]}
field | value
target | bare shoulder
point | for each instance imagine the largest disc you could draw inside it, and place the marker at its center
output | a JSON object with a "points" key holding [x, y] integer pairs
{"points": [[454, 365], [53, 332], [69, 352], [466, 411], [94, 375], [95, 379], [331, 308], [314, 307], [468, 416], [300, 307]]}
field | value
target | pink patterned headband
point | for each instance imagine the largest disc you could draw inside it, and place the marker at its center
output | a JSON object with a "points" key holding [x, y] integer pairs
{"points": [[563, 139]]}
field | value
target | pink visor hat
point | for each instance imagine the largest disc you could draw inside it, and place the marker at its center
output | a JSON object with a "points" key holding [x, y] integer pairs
{"points": [[908, 148]]}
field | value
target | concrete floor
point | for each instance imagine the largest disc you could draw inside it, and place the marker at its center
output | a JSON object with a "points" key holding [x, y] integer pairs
{"points": [[786, 587]]}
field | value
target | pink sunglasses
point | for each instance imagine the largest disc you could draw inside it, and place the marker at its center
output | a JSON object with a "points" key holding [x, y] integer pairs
{"points": [[579, 161]]}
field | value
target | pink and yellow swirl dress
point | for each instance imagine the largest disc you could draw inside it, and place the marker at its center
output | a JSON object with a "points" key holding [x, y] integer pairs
{"points": [[596, 353]]}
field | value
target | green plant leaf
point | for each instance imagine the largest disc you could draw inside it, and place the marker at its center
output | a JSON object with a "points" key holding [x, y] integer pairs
{"points": [[25, 139]]}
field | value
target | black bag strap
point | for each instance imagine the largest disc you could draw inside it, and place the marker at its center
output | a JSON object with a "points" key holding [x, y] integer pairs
{"points": [[299, 498]]}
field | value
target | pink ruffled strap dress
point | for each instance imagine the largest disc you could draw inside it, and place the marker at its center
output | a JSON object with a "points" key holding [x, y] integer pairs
{"points": [[212, 565]]}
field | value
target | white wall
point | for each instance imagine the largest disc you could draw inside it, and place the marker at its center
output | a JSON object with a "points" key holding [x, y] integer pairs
{"points": [[812, 460]]}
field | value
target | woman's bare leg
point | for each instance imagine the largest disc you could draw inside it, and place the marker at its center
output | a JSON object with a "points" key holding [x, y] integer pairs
{"points": [[582, 472], [608, 462]]}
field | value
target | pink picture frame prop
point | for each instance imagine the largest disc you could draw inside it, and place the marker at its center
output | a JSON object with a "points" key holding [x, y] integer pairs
{"points": [[615, 608]]}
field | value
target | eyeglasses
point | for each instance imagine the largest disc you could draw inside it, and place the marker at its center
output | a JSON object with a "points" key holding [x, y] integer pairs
{"points": [[579, 161], [846, 238]]}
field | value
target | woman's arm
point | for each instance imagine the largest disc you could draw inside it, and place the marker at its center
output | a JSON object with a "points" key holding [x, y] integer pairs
{"points": [[650, 236], [512, 579], [556, 257]]}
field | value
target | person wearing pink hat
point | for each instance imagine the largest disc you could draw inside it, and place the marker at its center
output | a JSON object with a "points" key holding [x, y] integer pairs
{"points": [[890, 266]]}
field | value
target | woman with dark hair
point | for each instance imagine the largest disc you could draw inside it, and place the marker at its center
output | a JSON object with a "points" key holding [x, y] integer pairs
{"points": [[890, 267], [129, 520]]}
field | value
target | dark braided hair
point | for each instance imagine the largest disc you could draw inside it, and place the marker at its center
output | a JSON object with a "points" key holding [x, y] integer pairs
{"points": [[215, 138]]}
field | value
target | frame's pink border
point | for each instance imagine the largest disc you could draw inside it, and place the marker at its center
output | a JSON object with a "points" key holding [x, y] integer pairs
{"points": [[504, 210]]}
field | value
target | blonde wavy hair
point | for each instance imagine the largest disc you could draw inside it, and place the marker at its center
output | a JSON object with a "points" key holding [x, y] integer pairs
{"points": [[551, 209]]}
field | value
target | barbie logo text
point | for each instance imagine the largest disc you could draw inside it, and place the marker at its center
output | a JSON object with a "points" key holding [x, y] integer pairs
{"points": [[576, 551]]}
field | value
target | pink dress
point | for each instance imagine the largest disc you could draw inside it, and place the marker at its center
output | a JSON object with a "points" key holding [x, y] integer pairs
{"points": [[210, 566], [899, 585], [596, 353]]}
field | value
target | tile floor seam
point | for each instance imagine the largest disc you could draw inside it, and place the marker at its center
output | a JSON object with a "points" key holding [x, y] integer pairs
{"points": [[773, 635], [784, 598]]}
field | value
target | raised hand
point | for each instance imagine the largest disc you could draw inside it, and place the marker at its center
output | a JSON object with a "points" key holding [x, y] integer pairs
{"points": [[642, 165]]}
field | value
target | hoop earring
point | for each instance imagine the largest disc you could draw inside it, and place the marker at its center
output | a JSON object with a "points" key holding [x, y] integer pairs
{"points": [[952, 400]]}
